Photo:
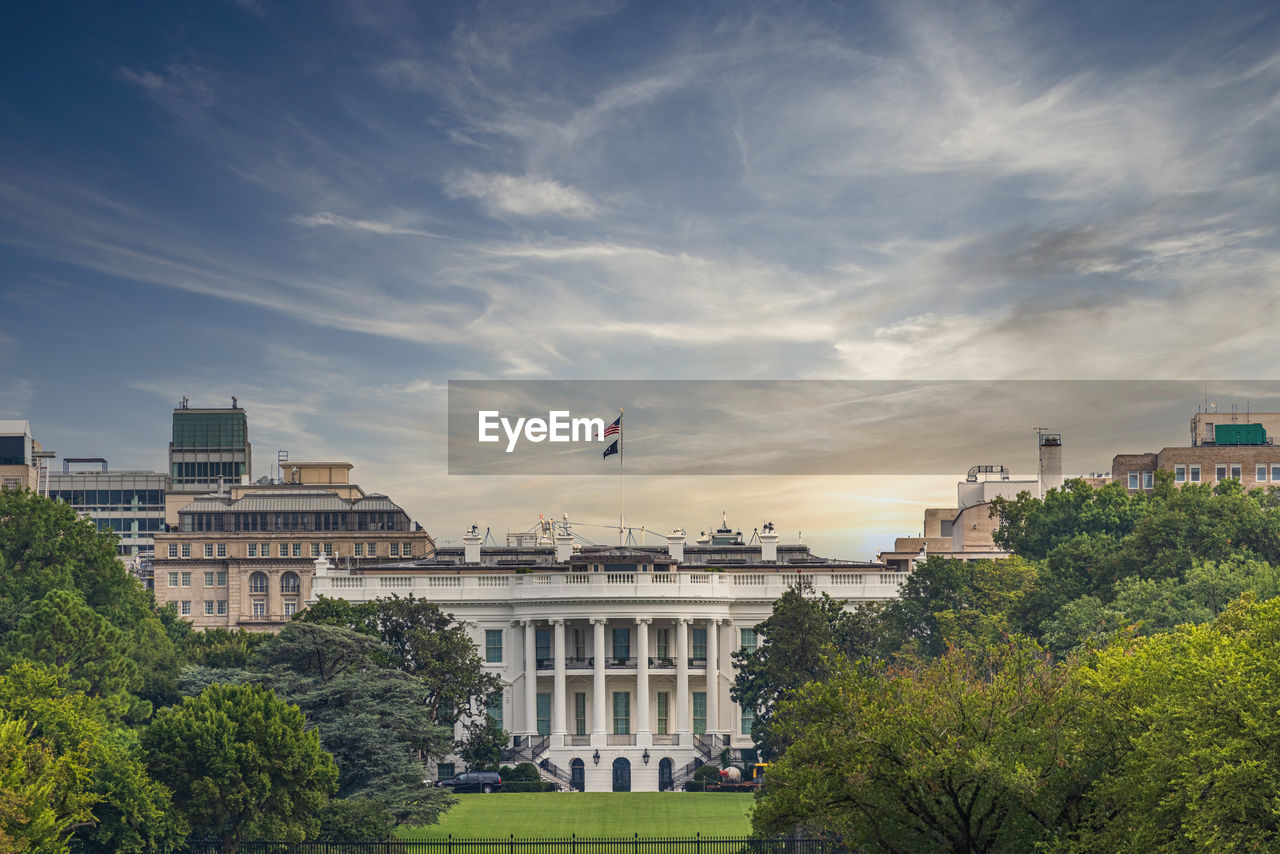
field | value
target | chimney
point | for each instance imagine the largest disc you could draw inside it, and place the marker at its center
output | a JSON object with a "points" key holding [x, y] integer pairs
{"points": [[322, 566], [675, 545], [1050, 462], [471, 540], [768, 544], [564, 547]]}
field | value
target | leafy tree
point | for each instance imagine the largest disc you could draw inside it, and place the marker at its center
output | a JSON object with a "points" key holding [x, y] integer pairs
{"points": [[40, 796], [241, 762], [223, 648], [794, 643], [481, 744], [969, 752], [359, 617], [365, 819]]}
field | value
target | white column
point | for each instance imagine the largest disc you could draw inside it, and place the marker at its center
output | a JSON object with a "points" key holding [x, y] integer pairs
{"points": [[713, 676], [530, 679], [643, 733], [682, 681], [559, 713], [598, 700]]}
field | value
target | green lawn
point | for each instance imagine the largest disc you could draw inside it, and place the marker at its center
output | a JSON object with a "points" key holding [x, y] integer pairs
{"points": [[592, 814]]}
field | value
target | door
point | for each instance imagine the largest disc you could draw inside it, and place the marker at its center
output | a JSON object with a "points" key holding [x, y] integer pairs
{"points": [[621, 775], [664, 774], [578, 775]]}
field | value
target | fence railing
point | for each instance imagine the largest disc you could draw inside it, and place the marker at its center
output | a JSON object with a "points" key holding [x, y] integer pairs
{"points": [[565, 845]]}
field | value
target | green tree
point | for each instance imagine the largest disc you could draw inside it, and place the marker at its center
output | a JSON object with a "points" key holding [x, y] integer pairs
{"points": [[969, 752], [481, 744], [41, 796], [359, 617], [241, 762], [365, 819]]}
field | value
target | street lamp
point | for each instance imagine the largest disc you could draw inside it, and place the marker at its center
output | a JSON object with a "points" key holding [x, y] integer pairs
{"points": [[596, 757], [645, 756]]}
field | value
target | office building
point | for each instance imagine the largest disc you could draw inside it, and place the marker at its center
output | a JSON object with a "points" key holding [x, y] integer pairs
{"points": [[209, 450], [244, 557], [1224, 446], [615, 662], [21, 461]]}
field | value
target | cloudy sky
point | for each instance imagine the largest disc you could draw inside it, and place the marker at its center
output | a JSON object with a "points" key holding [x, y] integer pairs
{"points": [[331, 209]]}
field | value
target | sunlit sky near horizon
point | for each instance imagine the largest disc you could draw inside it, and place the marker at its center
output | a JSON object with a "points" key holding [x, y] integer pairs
{"points": [[331, 209]]}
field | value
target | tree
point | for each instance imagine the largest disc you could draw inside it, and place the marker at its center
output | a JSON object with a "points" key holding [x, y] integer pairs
{"points": [[241, 762], [40, 801], [794, 643], [364, 819], [969, 752], [359, 617], [482, 743]]}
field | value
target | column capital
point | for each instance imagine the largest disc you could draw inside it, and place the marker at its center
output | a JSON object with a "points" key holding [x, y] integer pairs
{"points": [[715, 621], [599, 621], [643, 621], [685, 620], [556, 622]]}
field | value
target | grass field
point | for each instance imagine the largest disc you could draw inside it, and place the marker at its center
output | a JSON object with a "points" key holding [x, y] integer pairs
{"points": [[592, 814]]}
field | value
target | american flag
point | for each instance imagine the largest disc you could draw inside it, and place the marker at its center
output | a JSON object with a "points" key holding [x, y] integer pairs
{"points": [[613, 429]]}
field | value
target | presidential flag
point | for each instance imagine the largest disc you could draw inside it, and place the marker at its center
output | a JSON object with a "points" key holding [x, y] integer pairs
{"points": [[612, 449], [613, 429]]}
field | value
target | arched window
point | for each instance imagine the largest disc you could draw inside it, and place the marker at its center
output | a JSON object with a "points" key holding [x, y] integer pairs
{"points": [[578, 775], [258, 582], [290, 583], [665, 768], [621, 774]]}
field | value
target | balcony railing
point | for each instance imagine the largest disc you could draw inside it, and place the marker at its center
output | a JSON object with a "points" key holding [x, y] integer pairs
{"points": [[616, 739], [616, 663], [579, 663], [661, 663], [664, 738]]}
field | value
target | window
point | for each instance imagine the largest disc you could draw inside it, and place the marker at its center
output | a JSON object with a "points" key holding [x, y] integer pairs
{"points": [[700, 644], [544, 714], [186, 549], [259, 608], [493, 645], [494, 709], [173, 579], [664, 713], [186, 579], [542, 645], [1179, 474], [372, 549], [406, 549], [1275, 473], [748, 718], [1261, 473], [445, 771], [208, 579], [297, 549], [1148, 480], [663, 643], [622, 643], [1133, 480], [222, 606], [579, 645], [359, 549], [580, 713], [699, 712], [172, 606], [173, 549], [208, 607], [1235, 471], [328, 549], [253, 549], [1220, 472], [222, 579], [1194, 474], [290, 607], [266, 549], [284, 550], [258, 582], [208, 549], [621, 712], [222, 549], [186, 607], [315, 550], [290, 583], [395, 550], [748, 640]]}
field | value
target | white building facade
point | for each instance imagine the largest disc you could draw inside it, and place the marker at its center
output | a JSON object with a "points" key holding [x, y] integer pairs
{"points": [[615, 663]]}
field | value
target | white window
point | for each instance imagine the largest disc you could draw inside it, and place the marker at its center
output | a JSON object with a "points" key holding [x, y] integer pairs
{"points": [[186, 607], [373, 549], [186, 579], [208, 579], [1275, 473], [222, 549], [749, 642], [315, 550], [208, 607], [395, 550], [297, 549], [173, 549], [173, 579], [208, 549], [266, 549], [1148, 480], [359, 548], [222, 606], [1261, 473], [1133, 480], [290, 608], [1179, 474], [1236, 469], [259, 608], [1220, 472], [186, 549], [1195, 474], [328, 549], [253, 549], [222, 579], [406, 549]]}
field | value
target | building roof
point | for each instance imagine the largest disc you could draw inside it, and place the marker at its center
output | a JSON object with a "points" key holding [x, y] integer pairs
{"points": [[15, 428], [277, 500]]}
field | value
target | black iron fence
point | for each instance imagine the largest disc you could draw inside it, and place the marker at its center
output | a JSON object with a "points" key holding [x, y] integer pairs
{"points": [[514, 845]]}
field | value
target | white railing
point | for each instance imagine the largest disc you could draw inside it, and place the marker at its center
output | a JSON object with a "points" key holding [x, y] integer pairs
{"points": [[444, 581], [620, 577], [748, 580], [395, 581], [845, 579], [493, 581], [345, 583], [577, 578], [666, 578]]}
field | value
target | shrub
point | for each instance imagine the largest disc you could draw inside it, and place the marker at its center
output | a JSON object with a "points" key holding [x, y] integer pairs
{"points": [[528, 786], [523, 771]]}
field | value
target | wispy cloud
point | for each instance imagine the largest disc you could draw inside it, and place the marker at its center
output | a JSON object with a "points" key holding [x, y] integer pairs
{"points": [[327, 219], [522, 195]]}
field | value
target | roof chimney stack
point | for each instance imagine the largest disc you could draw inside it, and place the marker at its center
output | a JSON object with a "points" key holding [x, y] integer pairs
{"points": [[471, 541]]}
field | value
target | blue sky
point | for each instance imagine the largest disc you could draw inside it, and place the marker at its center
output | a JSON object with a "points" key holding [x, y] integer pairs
{"points": [[330, 209]]}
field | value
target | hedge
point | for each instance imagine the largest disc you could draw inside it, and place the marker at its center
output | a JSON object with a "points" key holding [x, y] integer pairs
{"points": [[527, 786]]}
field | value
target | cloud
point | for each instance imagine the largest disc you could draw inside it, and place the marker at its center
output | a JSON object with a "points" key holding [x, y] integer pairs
{"points": [[522, 195], [327, 219]]}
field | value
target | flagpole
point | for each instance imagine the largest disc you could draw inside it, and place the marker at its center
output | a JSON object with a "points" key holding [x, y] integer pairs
{"points": [[622, 498]]}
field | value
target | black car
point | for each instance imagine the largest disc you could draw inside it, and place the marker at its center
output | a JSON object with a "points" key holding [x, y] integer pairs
{"points": [[474, 781]]}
